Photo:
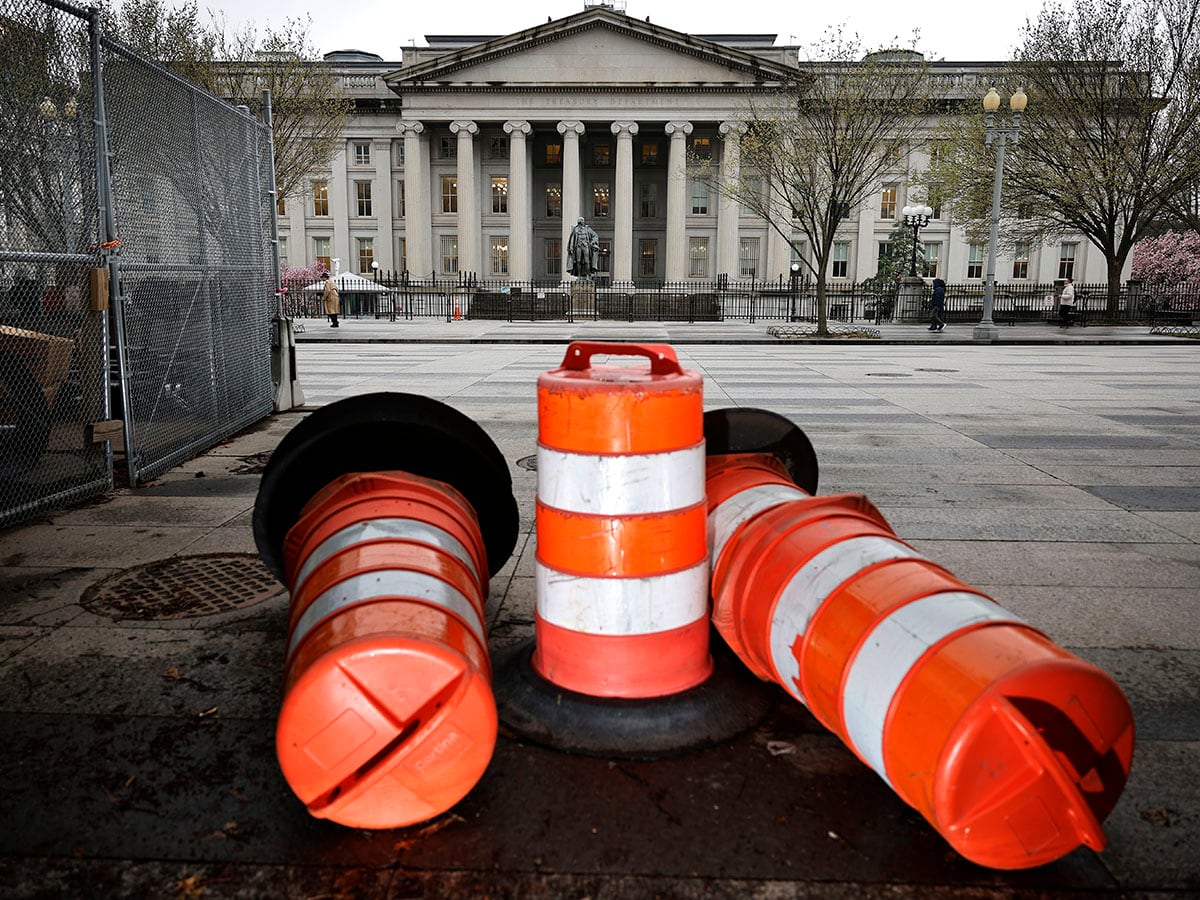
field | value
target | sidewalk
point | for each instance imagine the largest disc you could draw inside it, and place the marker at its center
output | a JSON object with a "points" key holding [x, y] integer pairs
{"points": [[430, 330], [138, 716]]}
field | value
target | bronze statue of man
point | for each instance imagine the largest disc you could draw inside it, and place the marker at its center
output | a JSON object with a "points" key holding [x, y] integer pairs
{"points": [[583, 250]]}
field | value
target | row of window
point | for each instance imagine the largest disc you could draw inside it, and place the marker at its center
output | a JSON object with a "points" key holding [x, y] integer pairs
{"points": [[601, 152], [698, 257], [648, 205]]}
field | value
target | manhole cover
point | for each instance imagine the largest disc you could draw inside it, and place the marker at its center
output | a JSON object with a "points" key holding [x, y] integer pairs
{"points": [[183, 587], [528, 462]]}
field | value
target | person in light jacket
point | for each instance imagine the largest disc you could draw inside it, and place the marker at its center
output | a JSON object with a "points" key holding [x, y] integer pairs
{"points": [[1066, 304], [329, 296]]}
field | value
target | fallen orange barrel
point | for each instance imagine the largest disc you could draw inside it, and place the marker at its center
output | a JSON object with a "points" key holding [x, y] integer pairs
{"points": [[1014, 749], [388, 717], [622, 560]]}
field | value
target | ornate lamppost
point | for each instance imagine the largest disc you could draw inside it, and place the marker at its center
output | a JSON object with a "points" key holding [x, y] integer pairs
{"points": [[916, 218], [986, 329], [795, 270]]}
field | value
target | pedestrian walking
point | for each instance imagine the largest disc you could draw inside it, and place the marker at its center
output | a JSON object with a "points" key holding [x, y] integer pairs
{"points": [[937, 305], [329, 296], [1066, 305]]}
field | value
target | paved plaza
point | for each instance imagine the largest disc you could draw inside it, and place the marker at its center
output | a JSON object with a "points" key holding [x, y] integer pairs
{"points": [[1058, 472]]}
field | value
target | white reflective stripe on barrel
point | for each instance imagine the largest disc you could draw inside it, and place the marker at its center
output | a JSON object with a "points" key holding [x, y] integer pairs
{"points": [[380, 529], [635, 484], [387, 583], [622, 606], [811, 586], [891, 649], [742, 506]]}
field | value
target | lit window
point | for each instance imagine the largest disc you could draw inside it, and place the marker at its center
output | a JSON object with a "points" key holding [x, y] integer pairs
{"points": [[1066, 261], [320, 198], [600, 199], [362, 194], [554, 154], [553, 256], [1021, 260], [281, 206], [702, 147], [449, 254], [699, 198], [649, 154], [647, 257], [975, 261], [602, 155], [554, 200], [748, 258], [366, 255], [887, 202], [500, 255], [698, 257], [403, 255], [321, 252], [499, 193], [362, 153], [449, 193], [841, 259]]}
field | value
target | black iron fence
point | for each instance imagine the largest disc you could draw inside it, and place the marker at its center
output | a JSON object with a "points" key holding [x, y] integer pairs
{"points": [[396, 296]]}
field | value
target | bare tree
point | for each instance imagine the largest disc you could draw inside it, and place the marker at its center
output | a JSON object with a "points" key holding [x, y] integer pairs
{"points": [[814, 153], [309, 109], [1110, 141]]}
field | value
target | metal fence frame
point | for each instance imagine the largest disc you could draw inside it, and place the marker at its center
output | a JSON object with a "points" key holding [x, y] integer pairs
{"points": [[77, 296]]}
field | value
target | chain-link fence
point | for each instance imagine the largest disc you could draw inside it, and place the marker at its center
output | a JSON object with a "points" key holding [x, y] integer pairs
{"points": [[196, 273], [135, 284], [53, 344]]}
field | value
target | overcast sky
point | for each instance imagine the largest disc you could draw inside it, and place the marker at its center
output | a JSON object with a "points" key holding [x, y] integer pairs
{"points": [[949, 29]]}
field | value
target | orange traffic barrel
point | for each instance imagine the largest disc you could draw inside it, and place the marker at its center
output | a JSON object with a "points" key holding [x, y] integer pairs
{"points": [[1012, 748], [622, 664], [388, 716], [622, 561]]}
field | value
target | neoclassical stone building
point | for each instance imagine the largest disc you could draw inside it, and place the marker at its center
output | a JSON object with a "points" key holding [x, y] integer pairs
{"points": [[477, 154]]}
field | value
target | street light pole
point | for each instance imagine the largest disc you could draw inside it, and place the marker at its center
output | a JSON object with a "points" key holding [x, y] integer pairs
{"points": [[795, 287], [986, 329], [916, 218]]}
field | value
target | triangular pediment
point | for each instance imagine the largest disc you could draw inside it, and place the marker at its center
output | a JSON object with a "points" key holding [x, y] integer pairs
{"points": [[595, 48]]}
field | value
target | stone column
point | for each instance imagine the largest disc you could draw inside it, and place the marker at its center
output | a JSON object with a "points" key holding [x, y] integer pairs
{"points": [[570, 182], [622, 251], [728, 209], [468, 198], [339, 209], [779, 249], [417, 213], [381, 202], [677, 264], [520, 218]]}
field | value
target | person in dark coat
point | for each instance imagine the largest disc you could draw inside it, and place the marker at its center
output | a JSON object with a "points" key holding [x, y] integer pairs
{"points": [[937, 305]]}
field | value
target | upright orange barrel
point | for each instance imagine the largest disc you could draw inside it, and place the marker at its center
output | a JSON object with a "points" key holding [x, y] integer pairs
{"points": [[388, 716], [622, 563], [1013, 748]]}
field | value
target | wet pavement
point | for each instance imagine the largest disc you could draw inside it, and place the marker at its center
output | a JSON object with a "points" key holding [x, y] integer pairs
{"points": [[1060, 476]]}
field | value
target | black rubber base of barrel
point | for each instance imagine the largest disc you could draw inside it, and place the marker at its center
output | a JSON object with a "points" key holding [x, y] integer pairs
{"points": [[381, 432], [729, 703], [748, 430]]}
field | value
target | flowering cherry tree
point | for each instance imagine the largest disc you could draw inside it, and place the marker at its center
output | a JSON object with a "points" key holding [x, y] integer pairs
{"points": [[1169, 259]]}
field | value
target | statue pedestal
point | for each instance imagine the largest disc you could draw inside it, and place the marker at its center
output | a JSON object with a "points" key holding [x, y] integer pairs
{"points": [[583, 298]]}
